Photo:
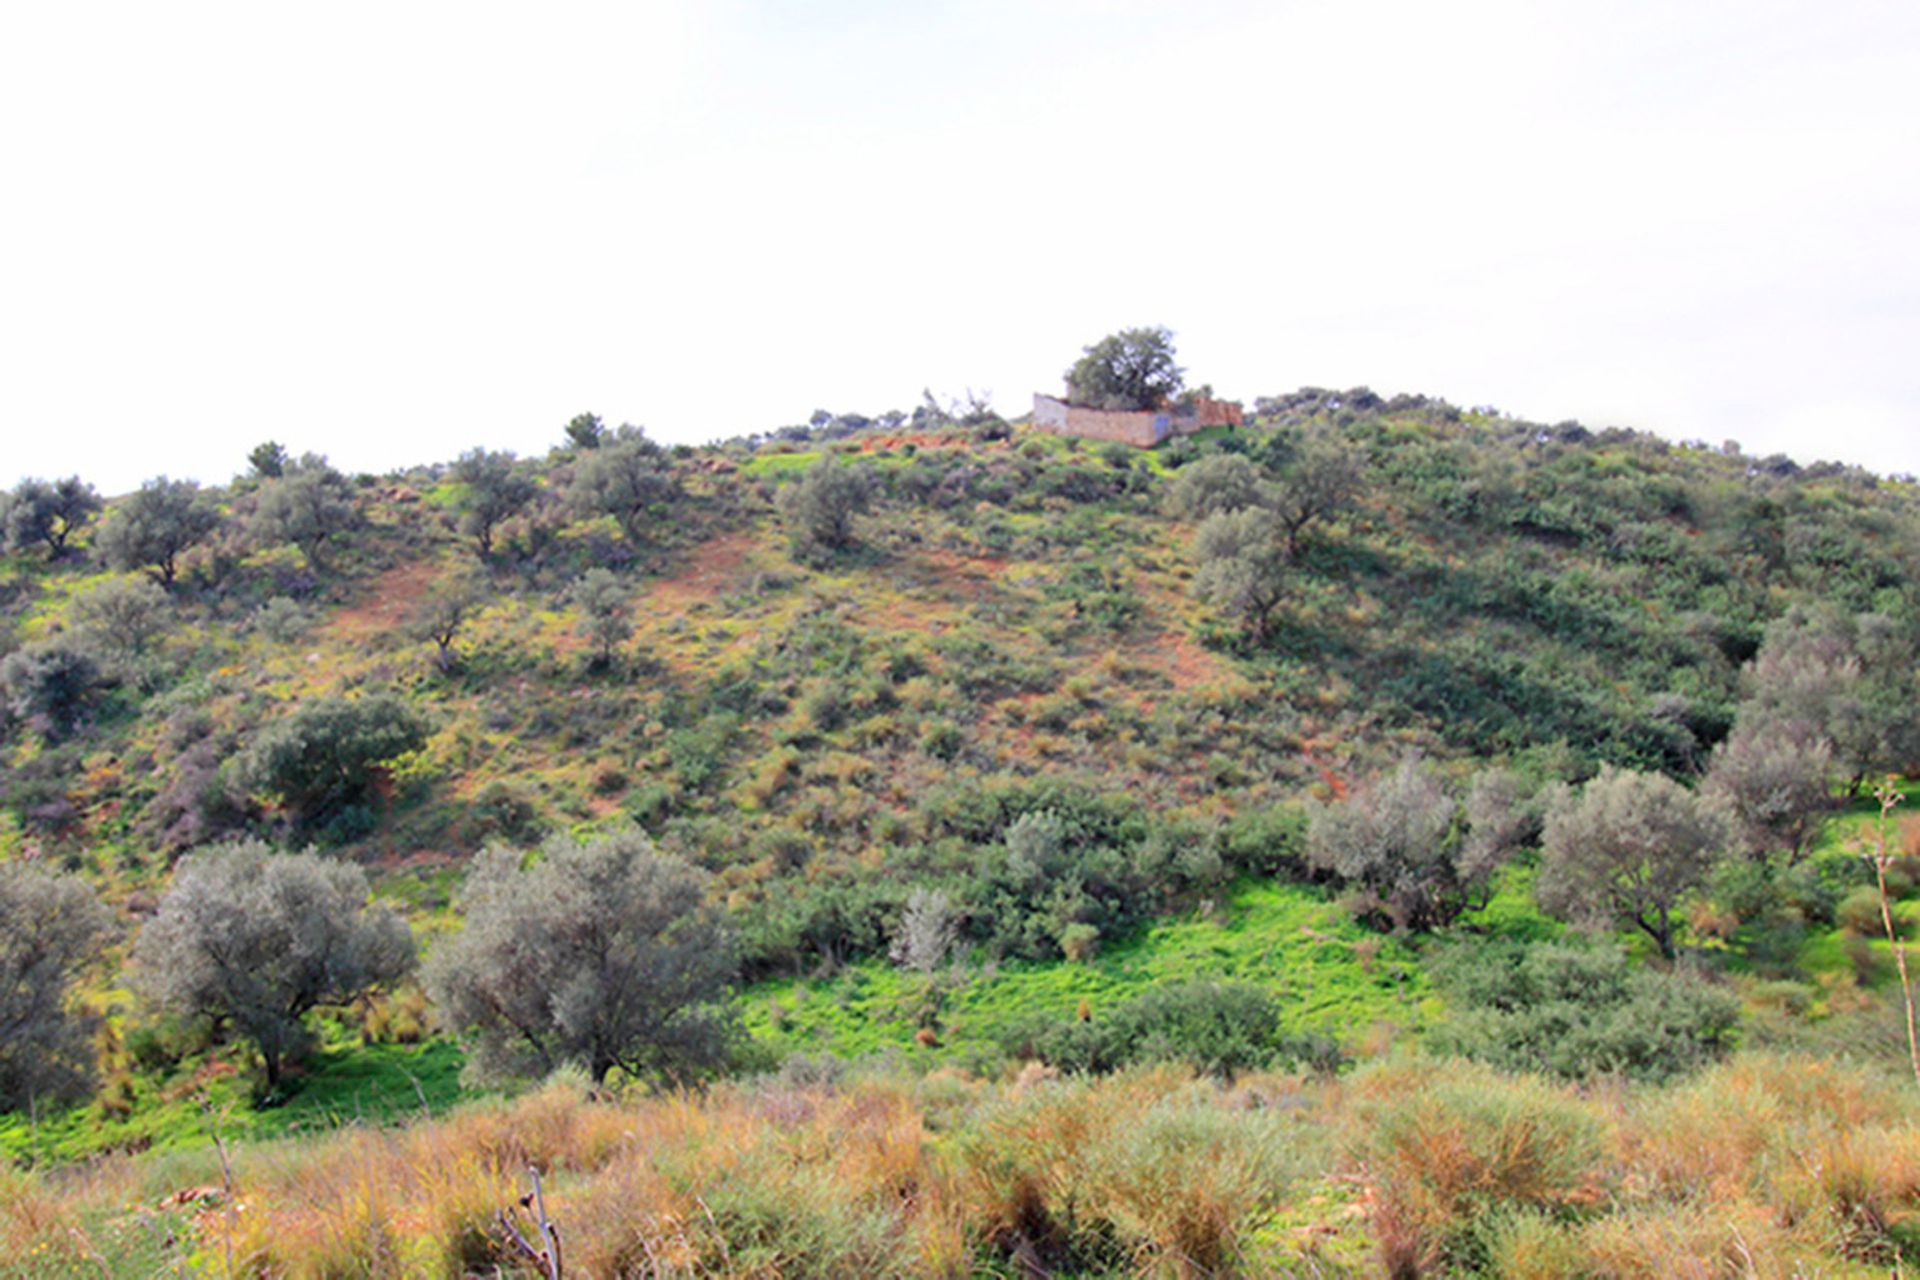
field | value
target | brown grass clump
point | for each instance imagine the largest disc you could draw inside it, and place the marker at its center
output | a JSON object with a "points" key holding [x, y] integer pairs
{"points": [[1667, 1242], [1734, 1129], [1858, 1192], [1183, 1181], [1148, 1172], [36, 1226], [1444, 1148], [1765, 1166]]}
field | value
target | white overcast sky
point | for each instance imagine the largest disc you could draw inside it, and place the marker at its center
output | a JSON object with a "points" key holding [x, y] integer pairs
{"points": [[392, 231]]}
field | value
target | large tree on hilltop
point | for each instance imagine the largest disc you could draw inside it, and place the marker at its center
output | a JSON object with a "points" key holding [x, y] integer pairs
{"points": [[1132, 369]]}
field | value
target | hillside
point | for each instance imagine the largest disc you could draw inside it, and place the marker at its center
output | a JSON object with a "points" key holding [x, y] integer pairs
{"points": [[1016, 614], [1147, 787]]}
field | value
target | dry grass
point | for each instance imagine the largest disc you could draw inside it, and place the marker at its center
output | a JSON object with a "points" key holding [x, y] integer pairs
{"points": [[1762, 1167], [1446, 1149]]}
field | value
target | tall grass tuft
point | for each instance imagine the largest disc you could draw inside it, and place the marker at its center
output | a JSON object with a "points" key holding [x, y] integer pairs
{"points": [[1447, 1148], [1184, 1181]]}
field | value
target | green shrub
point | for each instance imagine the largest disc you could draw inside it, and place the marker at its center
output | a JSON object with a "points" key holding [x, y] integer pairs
{"points": [[282, 619], [1222, 1028], [1576, 1012], [1267, 842], [50, 686], [942, 739], [699, 752], [319, 759], [1859, 913]]}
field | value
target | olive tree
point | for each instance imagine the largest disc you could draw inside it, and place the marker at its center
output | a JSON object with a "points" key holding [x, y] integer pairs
{"points": [[493, 489], [1242, 567], [268, 459], [1218, 483], [122, 616], [1776, 780], [603, 614], [308, 505], [448, 605], [1848, 679], [929, 928], [1628, 847], [46, 511], [820, 505], [321, 757], [602, 953], [1132, 369], [627, 477], [50, 686], [1502, 818], [1393, 837], [256, 940], [51, 927], [586, 431], [158, 521], [1318, 481]]}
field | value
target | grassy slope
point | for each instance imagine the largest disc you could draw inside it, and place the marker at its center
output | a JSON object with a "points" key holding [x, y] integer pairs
{"points": [[1334, 978], [343, 1084], [1374, 655]]}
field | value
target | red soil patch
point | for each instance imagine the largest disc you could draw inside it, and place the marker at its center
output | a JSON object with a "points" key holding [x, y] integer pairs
{"points": [[386, 606], [945, 580], [392, 860], [919, 442], [1186, 664], [965, 565], [712, 567]]}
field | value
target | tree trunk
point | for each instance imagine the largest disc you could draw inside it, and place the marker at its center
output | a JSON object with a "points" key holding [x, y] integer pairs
{"points": [[1661, 931]]}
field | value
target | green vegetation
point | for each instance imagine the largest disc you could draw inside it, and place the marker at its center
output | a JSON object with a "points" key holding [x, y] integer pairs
{"points": [[1132, 369], [1331, 977], [1370, 737], [602, 954]]}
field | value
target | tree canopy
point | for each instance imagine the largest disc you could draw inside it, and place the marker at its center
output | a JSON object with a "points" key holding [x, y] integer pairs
{"points": [[151, 527], [319, 758], [819, 507], [1395, 839], [494, 489], [627, 477], [43, 511], [1629, 847], [259, 939], [1132, 369], [309, 504], [604, 620], [51, 927], [603, 953]]}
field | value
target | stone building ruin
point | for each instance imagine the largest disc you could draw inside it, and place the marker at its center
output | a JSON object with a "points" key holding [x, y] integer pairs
{"points": [[1142, 428]]}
